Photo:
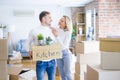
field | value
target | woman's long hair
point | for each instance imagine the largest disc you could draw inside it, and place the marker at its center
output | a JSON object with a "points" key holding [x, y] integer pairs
{"points": [[68, 23]]}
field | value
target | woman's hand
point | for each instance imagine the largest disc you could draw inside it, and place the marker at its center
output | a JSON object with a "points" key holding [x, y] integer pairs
{"points": [[54, 31]]}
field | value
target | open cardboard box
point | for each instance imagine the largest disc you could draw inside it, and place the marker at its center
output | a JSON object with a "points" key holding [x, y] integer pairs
{"points": [[18, 73], [14, 71]]}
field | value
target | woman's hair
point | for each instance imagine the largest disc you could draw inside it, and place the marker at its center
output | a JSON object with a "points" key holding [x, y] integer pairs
{"points": [[68, 22]]}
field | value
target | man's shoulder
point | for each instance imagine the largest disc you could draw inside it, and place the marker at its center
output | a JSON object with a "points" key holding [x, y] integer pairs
{"points": [[36, 28]]}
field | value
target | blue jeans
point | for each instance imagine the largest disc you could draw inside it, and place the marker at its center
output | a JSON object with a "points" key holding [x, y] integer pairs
{"points": [[49, 67], [64, 65]]}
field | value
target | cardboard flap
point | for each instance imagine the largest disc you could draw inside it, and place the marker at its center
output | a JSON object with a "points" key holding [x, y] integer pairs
{"points": [[14, 69]]}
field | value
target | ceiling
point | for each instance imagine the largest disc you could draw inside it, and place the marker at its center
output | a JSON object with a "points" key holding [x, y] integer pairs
{"points": [[63, 3]]}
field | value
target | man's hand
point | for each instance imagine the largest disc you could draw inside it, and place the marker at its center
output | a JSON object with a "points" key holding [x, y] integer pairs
{"points": [[30, 53]]}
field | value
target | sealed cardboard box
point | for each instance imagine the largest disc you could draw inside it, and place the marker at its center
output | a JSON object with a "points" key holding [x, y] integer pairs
{"points": [[85, 75], [46, 52], [3, 70], [34, 78], [94, 72], [3, 49], [77, 67], [93, 58], [29, 64], [110, 44], [110, 60], [17, 61], [78, 77], [85, 47], [80, 38], [80, 68], [57, 72]]}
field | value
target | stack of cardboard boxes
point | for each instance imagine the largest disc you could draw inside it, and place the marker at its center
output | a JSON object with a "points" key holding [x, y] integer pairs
{"points": [[22, 70], [110, 65], [14, 65], [87, 53], [3, 59]]}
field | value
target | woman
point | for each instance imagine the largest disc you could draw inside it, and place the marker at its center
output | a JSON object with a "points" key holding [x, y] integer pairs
{"points": [[63, 35]]}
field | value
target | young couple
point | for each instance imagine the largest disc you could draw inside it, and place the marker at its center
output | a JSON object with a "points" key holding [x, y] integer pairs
{"points": [[62, 35]]}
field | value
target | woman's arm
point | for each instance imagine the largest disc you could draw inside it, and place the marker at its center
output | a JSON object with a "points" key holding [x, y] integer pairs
{"points": [[66, 40]]}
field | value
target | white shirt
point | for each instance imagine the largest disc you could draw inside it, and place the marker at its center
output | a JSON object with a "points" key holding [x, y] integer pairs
{"points": [[64, 38], [32, 38]]}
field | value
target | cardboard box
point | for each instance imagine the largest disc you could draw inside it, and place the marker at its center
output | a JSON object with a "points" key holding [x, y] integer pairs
{"points": [[18, 61], [53, 51], [85, 47], [3, 70], [78, 77], [85, 75], [29, 75], [110, 60], [3, 49], [57, 72], [110, 44], [14, 70], [93, 58], [14, 77], [96, 73], [80, 68], [34, 78], [29, 64], [80, 38]]}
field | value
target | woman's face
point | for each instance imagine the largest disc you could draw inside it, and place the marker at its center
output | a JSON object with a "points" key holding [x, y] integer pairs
{"points": [[62, 23]]}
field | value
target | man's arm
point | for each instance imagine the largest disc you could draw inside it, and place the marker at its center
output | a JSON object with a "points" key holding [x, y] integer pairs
{"points": [[29, 43]]}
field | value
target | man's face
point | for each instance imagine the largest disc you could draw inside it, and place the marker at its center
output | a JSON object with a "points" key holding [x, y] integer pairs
{"points": [[48, 19]]}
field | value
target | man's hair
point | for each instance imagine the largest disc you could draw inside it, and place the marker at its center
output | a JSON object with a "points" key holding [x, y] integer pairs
{"points": [[42, 14]]}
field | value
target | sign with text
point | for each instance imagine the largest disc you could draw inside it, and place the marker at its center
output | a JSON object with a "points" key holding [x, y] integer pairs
{"points": [[53, 51]]}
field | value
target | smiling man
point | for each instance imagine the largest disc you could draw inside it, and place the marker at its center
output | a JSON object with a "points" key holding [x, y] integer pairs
{"points": [[48, 65]]}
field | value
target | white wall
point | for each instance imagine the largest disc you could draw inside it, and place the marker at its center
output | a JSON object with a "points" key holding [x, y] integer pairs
{"points": [[23, 24]]}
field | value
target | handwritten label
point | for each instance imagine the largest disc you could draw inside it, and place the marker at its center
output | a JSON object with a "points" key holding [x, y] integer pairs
{"points": [[47, 52]]}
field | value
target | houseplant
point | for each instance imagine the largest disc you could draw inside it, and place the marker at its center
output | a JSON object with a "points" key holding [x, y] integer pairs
{"points": [[49, 40], [40, 39]]}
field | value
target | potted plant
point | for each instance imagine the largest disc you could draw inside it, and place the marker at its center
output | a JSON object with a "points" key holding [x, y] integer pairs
{"points": [[49, 40], [40, 39]]}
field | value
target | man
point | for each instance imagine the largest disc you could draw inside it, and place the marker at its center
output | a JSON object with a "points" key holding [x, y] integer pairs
{"points": [[43, 66]]}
